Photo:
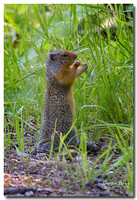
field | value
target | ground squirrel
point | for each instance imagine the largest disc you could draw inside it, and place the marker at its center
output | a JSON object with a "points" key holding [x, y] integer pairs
{"points": [[61, 71]]}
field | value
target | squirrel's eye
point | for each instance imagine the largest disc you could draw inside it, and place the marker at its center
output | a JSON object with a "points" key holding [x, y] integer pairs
{"points": [[64, 55]]}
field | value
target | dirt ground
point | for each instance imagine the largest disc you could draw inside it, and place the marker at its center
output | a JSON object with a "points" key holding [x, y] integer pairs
{"points": [[34, 175]]}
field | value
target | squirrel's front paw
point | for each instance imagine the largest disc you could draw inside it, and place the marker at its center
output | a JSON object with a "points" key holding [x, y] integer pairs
{"points": [[85, 66], [77, 63], [81, 69]]}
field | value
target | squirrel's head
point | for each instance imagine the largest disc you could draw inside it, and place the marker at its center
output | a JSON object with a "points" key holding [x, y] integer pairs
{"points": [[58, 60]]}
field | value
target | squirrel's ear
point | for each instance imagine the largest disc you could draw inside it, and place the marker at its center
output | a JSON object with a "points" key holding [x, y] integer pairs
{"points": [[52, 56]]}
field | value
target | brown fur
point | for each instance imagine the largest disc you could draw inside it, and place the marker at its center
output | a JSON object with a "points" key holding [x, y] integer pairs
{"points": [[58, 101]]}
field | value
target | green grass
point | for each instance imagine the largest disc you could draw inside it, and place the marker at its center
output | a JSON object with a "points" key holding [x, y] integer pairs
{"points": [[103, 95]]}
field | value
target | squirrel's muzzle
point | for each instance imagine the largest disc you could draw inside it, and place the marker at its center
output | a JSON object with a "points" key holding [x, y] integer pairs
{"points": [[75, 56]]}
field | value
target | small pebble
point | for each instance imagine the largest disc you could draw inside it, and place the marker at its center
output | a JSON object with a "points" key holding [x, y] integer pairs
{"points": [[101, 186], [15, 173], [24, 154], [29, 193], [44, 168], [94, 191], [99, 180], [78, 159]]}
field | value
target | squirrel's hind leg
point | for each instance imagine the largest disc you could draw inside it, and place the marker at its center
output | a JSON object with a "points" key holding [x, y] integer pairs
{"points": [[45, 147]]}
